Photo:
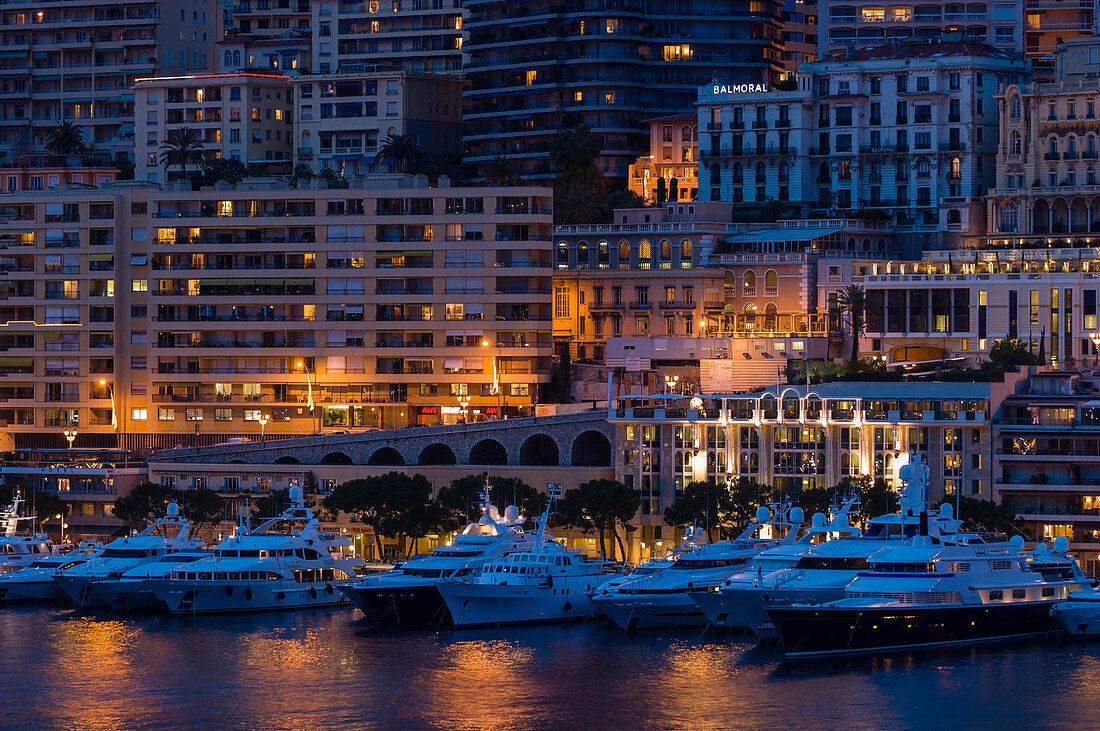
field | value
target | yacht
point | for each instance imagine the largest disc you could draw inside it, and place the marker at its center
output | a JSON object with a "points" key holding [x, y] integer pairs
{"points": [[168, 535], [824, 570], [18, 550], [132, 591], [694, 539], [1079, 614], [662, 600], [922, 595], [407, 594], [285, 563], [548, 583], [717, 603], [34, 582]]}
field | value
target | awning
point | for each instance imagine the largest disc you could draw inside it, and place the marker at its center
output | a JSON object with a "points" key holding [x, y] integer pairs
{"points": [[452, 362], [139, 260]]}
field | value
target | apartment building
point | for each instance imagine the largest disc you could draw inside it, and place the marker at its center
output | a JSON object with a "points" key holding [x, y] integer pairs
{"points": [[271, 18], [78, 60], [1047, 450], [1047, 160], [243, 116], [909, 130], [424, 36], [1077, 59], [800, 32], [342, 119], [539, 66], [157, 318], [289, 53], [673, 155], [794, 439], [38, 172], [849, 24]]}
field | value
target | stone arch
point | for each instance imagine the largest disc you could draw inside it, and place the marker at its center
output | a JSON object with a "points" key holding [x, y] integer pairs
{"points": [[386, 456], [435, 454], [539, 450], [1059, 215], [1078, 215], [336, 458], [488, 452], [287, 459], [1040, 217], [591, 449]]}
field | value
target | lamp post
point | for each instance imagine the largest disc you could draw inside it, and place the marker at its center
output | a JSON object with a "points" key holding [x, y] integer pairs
{"points": [[111, 395], [464, 404], [1095, 338], [70, 434], [301, 365], [671, 383], [703, 326], [496, 380], [61, 520], [264, 418]]}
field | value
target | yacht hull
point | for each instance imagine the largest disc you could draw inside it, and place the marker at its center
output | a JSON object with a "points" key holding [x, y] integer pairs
{"points": [[651, 611], [27, 592], [213, 597], [81, 590], [750, 605], [129, 596], [720, 612], [821, 631], [1080, 619], [405, 606], [485, 605]]}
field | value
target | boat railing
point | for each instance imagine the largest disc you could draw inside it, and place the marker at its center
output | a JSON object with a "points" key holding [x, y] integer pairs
{"points": [[910, 597]]}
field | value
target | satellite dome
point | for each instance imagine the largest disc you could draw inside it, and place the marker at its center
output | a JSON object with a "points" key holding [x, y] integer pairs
{"points": [[296, 494], [1061, 544], [511, 514], [763, 515], [797, 515], [1016, 543], [946, 511], [819, 520], [173, 510], [494, 512]]}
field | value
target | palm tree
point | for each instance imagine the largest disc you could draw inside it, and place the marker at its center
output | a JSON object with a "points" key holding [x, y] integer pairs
{"points": [[853, 300], [65, 138], [401, 150], [182, 148], [502, 172]]}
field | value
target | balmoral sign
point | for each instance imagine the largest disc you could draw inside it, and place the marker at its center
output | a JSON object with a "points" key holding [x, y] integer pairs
{"points": [[739, 88]]}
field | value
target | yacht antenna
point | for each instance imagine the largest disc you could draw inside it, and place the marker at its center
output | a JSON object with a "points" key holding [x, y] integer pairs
{"points": [[553, 492]]}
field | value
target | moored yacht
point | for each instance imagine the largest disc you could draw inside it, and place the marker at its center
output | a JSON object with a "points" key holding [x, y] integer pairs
{"points": [[923, 595], [132, 591], [548, 583], [18, 550], [407, 594], [1080, 613], [285, 563], [34, 583], [662, 600], [170, 534]]}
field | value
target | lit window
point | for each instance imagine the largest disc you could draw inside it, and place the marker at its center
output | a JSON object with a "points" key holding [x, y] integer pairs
{"points": [[139, 414]]}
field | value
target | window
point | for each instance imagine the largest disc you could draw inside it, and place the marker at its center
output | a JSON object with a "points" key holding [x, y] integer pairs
{"points": [[139, 414], [164, 414]]}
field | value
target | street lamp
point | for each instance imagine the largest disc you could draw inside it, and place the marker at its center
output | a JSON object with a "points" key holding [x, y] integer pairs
{"points": [[496, 380], [671, 382], [70, 434], [263, 423], [703, 326], [61, 519], [1095, 338], [464, 404], [110, 394], [300, 365]]}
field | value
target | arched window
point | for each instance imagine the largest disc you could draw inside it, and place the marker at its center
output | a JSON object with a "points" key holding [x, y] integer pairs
{"points": [[1090, 145], [784, 172], [956, 167], [624, 254], [685, 133], [685, 250], [1010, 218], [715, 174], [954, 216], [750, 283], [582, 255], [1071, 146], [730, 283], [563, 255], [771, 283], [1052, 146], [236, 59], [770, 312], [738, 172], [228, 62], [603, 255], [645, 255], [1015, 144], [665, 251], [1015, 108]]}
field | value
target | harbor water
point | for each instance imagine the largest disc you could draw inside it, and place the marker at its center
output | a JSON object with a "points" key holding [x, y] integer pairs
{"points": [[330, 669]]}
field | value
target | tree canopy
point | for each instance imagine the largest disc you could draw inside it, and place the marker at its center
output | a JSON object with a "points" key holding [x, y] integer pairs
{"points": [[401, 151], [706, 505], [1010, 353], [746, 495], [600, 505], [985, 516], [220, 170], [65, 138], [393, 504], [202, 506], [182, 148], [460, 498], [853, 300], [876, 497], [147, 502]]}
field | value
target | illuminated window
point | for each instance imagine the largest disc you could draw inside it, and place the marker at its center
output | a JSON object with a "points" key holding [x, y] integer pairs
{"points": [[529, 77], [225, 208], [678, 52], [139, 414], [578, 96], [612, 25], [139, 285]]}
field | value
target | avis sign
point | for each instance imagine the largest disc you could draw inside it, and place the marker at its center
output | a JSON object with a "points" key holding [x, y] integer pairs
{"points": [[739, 88]]}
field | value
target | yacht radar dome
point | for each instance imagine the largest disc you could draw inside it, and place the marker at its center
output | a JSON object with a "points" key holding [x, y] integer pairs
{"points": [[819, 520], [763, 515], [947, 512], [797, 515], [1061, 544], [1016, 543], [511, 514], [296, 494], [172, 511]]}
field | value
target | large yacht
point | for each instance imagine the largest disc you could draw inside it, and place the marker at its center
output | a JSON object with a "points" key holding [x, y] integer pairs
{"points": [[18, 550], [34, 583], [407, 594], [285, 563], [171, 534], [1080, 613], [548, 583], [822, 572], [133, 592], [716, 603], [661, 599]]}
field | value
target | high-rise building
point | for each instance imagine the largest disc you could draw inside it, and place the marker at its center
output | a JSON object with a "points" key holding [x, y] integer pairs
{"points": [[170, 317], [800, 33], [352, 36], [243, 117], [78, 61], [908, 130], [342, 119], [539, 66]]}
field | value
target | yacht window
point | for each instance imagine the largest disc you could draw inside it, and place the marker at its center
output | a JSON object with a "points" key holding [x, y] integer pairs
{"points": [[1018, 593], [1048, 591], [1000, 565], [996, 596], [958, 567]]}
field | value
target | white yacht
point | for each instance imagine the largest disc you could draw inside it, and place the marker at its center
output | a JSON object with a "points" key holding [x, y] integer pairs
{"points": [[132, 591], [1080, 613], [18, 550], [923, 595], [694, 539], [661, 599], [716, 602], [822, 572], [407, 594], [34, 583], [285, 563], [171, 534], [548, 583]]}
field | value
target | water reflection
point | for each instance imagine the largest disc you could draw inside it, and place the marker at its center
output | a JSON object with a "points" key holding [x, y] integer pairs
{"points": [[327, 670]]}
